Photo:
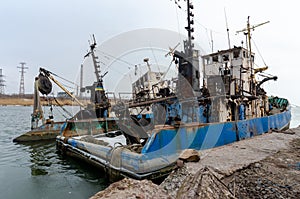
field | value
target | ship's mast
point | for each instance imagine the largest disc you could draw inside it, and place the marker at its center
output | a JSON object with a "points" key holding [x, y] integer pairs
{"points": [[94, 57], [188, 70], [189, 28], [247, 31], [98, 96]]}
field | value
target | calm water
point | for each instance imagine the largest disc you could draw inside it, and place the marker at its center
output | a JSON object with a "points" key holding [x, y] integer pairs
{"points": [[36, 171]]}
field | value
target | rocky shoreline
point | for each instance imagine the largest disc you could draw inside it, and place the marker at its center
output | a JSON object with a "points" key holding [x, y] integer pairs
{"points": [[266, 166]]}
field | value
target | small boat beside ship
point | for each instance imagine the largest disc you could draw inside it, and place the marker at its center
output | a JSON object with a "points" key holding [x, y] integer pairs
{"points": [[47, 131], [41, 128], [87, 119], [229, 106]]}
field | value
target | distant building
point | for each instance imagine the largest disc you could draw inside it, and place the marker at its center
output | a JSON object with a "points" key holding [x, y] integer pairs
{"points": [[63, 95]]}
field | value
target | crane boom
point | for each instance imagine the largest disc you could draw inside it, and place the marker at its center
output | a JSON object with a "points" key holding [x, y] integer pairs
{"points": [[48, 74]]}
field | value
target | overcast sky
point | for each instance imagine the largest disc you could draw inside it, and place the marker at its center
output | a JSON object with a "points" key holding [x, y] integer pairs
{"points": [[54, 33]]}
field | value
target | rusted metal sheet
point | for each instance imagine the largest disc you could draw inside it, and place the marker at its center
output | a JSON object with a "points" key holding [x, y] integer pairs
{"points": [[44, 132]]}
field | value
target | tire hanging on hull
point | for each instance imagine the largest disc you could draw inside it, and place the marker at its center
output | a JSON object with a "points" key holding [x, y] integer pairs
{"points": [[44, 84]]}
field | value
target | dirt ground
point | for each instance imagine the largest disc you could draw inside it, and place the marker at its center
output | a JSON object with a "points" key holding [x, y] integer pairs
{"points": [[266, 166]]}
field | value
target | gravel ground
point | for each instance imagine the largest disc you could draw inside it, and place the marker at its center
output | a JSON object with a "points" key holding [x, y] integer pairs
{"points": [[131, 189], [277, 176]]}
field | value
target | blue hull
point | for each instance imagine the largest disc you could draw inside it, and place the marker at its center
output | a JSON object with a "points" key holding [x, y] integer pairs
{"points": [[205, 136]]}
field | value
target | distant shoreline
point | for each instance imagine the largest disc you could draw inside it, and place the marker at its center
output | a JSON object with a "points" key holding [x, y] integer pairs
{"points": [[19, 101]]}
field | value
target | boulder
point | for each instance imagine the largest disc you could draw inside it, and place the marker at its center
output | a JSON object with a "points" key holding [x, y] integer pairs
{"points": [[190, 155]]}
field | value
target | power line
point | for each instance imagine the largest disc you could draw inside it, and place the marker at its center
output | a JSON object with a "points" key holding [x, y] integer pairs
{"points": [[22, 71], [2, 85]]}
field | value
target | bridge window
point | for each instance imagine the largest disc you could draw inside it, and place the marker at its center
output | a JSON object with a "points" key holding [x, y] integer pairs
{"points": [[215, 58], [236, 54], [225, 57]]}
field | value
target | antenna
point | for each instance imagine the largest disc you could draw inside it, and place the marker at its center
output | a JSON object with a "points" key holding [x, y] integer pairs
{"points": [[81, 80], [227, 29], [22, 71], [2, 85], [212, 41], [94, 39]]}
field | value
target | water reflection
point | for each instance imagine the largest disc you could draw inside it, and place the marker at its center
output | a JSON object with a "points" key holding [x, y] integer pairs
{"points": [[41, 155], [45, 160], [35, 168]]}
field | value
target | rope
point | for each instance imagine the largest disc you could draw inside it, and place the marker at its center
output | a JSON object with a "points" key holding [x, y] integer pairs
{"points": [[117, 58], [178, 25], [69, 86], [63, 78], [62, 114], [61, 106], [155, 59], [259, 52]]}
